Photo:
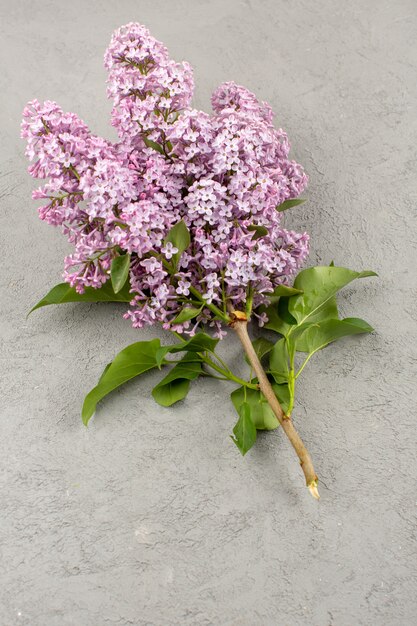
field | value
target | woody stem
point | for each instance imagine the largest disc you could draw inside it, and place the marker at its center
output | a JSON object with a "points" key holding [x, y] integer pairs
{"points": [[240, 326]]}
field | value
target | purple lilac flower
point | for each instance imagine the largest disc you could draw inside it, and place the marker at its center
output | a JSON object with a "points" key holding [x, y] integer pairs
{"points": [[232, 96], [224, 175], [148, 89]]}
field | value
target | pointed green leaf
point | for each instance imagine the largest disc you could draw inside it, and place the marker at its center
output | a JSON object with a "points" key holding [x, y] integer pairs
{"points": [[319, 284], [179, 236], [188, 313], [288, 204], [176, 384], [152, 144], [104, 372], [244, 431], [63, 293], [130, 362], [258, 231], [119, 272], [317, 336]]}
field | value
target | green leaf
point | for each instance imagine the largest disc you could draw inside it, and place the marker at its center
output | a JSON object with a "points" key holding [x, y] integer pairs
{"points": [[319, 284], [130, 362], [294, 333], [262, 348], [152, 144], [199, 343], [288, 204], [186, 314], [283, 312], [244, 431], [160, 356], [119, 271], [328, 311], [282, 392], [63, 293], [259, 231], [176, 384], [274, 322], [317, 336], [282, 290], [278, 362], [104, 372], [179, 236], [261, 413]]}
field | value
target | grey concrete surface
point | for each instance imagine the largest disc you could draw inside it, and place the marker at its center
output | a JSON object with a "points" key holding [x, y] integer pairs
{"points": [[150, 516]]}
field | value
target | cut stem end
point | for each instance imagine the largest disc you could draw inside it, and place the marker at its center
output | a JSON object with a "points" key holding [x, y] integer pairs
{"points": [[312, 487]]}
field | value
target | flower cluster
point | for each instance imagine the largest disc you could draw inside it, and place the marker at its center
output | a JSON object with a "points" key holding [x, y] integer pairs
{"points": [[223, 175], [147, 87]]}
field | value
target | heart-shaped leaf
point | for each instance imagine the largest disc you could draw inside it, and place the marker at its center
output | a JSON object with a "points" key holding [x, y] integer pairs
{"points": [[261, 413], [130, 362], [63, 293], [319, 284], [119, 272], [275, 323], [244, 431], [176, 384], [318, 335]]}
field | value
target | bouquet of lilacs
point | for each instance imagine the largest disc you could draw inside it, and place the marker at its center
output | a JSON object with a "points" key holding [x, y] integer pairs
{"points": [[181, 219]]}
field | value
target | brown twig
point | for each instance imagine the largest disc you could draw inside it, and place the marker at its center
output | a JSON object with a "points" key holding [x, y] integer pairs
{"points": [[239, 323]]}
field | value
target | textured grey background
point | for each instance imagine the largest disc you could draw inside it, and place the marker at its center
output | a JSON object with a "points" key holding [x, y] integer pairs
{"points": [[151, 517]]}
